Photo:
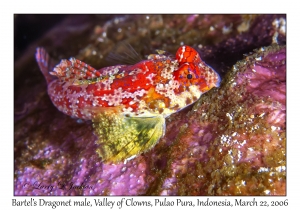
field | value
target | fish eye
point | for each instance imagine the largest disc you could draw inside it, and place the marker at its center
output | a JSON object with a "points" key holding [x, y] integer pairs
{"points": [[189, 76]]}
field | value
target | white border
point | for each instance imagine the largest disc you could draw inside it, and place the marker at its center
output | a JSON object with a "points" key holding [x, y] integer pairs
{"points": [[154, 6]]}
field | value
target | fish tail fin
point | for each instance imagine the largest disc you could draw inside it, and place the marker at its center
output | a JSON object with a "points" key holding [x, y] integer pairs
{"points": [[45, 63]]}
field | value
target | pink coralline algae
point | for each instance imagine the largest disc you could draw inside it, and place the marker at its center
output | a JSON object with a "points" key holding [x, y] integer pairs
{"points": [[234, 140], [230, 142]]}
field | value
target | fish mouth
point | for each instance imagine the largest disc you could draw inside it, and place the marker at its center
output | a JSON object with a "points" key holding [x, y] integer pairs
{"points": [[218, 82]]}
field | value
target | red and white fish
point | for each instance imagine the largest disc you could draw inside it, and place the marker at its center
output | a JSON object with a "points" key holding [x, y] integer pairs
{"points": [[128, 104]]}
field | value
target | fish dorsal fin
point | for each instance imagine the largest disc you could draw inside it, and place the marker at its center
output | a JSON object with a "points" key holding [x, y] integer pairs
{"points": [[123, 53], [120, 137], [74, 69]]}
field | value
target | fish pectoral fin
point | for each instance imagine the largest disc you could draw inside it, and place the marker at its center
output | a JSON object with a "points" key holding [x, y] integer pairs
{"points": [[120, 138]]}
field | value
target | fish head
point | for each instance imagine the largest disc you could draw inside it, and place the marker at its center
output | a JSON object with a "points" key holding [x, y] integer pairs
{"points": [[193, 72]]}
